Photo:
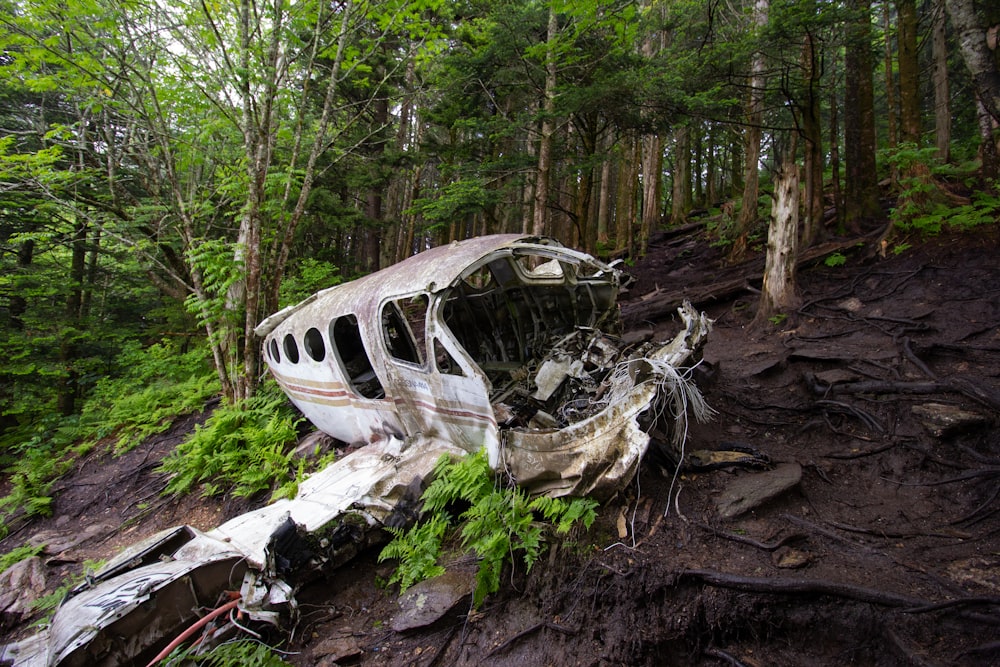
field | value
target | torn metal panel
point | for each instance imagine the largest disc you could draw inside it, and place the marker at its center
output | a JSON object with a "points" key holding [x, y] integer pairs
{"points": [[506, 343]]}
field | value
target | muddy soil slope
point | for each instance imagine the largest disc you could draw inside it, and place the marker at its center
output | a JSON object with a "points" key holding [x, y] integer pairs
{"points": [[877, 403]]}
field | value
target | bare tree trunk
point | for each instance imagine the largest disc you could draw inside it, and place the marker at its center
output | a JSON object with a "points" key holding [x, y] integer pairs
{"points": [[711, 169], [778, 294], [942, 105], [892, 107]]}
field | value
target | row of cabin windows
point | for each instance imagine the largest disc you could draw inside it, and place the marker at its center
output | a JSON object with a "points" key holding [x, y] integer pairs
{"points": [[403, 323]]}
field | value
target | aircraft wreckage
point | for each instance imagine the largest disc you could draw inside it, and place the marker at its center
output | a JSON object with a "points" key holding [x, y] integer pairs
{"points": [[507, 343]]}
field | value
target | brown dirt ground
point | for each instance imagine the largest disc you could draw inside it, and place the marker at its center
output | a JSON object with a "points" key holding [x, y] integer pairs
{"points": [[887, 516]]}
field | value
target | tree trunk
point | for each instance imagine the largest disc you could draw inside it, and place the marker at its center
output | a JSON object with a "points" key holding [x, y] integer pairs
{"points": [[892, 108], [977, 54], [652, 176], [711, 170], [778, 293], [989, 150], [837, 193], [628, 178], [942, 105], [540, 217], [751, 145], [812, 131], [604, 201], [680, 192], [861, 194], [909, 72]]}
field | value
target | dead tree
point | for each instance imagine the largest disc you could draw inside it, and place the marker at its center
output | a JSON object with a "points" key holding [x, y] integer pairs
{"points": [[778, 294]]}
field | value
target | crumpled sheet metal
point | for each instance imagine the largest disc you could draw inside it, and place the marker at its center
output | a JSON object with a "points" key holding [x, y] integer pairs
{"points": [[599, 455]]}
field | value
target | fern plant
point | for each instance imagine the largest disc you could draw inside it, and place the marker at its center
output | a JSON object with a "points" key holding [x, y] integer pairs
{"points": [[241, 449], [500, 521], [237, 653]]}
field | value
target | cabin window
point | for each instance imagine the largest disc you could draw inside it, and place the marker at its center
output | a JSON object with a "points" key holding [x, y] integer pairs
{"points": [[445, 363], [315, 347], [273, 349], [345, 337], [541, 268], [403, 323], [291, 349]]}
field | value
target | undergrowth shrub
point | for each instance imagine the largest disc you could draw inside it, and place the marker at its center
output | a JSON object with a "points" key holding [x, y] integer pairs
{"points": [[149, 388], [236, 653], [242, 449], [160, 384], [500, 521], [923, 204], [17, 554]]}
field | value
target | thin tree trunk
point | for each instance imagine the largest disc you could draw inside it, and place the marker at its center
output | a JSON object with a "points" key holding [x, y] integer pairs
{"points": [[652, 175], [628, 178], [680, 192], [751, 146], [604, 202], [540, 218], [812, 131], [838, 195], [892, 108], [942, 105], [909, 71]]}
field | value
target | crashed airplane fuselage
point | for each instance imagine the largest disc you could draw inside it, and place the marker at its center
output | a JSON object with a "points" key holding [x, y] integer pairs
{"points": [[507, 343]]}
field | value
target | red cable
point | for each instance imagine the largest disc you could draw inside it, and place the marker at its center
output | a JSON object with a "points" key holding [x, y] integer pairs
{"points": [[193, 629]]}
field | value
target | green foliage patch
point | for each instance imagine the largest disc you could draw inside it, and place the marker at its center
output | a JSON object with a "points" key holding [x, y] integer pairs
{"points": [[16, 555], [237, 653], [499, 523], [152, 386], [923, 208], [242, 449]]}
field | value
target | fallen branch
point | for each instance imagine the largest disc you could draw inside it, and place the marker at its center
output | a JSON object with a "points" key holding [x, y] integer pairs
{"points": [[742, 539], [789, 586]]}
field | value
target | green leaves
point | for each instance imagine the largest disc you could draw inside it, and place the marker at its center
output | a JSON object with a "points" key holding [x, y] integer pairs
{"points": [[499, 523], [242, 449]]}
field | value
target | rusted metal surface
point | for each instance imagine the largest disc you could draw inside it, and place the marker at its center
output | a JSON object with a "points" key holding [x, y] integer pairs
{"points": [[505, 343]]}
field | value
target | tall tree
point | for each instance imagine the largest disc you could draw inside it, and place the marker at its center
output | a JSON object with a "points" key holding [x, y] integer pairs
{"points": [[861, 195], [753, 134], [939, 77]]}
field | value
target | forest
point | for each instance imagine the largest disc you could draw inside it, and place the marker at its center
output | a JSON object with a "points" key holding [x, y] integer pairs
{"points": [[172, 173]]}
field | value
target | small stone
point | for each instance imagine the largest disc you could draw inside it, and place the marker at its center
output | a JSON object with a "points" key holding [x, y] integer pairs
{"points": [[751, 491], [790, 559], [942, 420], [426, 602]]}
